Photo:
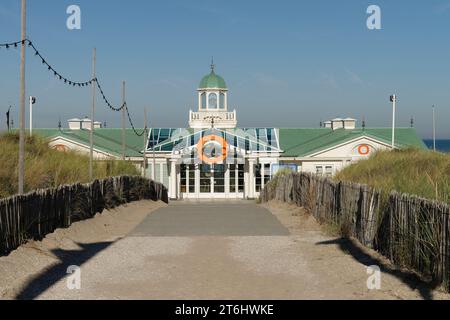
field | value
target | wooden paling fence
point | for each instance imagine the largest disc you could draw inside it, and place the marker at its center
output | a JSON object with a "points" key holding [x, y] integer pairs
{"points": [[412, 232], [34, 215]]}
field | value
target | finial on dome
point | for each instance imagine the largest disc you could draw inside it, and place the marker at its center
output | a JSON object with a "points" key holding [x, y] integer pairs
{"points": [[212, 64]]}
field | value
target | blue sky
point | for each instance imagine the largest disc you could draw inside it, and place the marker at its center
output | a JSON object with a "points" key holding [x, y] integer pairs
{"points": [[286, 63]]}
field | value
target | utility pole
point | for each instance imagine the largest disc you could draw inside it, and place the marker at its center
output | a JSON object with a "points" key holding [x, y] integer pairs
{"points": [[434, 129], [123, 121], [94, 83], [393, 100], [22, 101], [145, 142]]}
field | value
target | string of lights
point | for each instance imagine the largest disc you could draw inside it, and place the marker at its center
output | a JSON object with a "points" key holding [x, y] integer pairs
{"points": [[106, 100], [139, 134], [11, 44], [74, 83], [56, 73]]}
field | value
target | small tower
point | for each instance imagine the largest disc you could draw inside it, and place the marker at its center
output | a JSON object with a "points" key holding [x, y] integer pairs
{"points": [[212, 104]]}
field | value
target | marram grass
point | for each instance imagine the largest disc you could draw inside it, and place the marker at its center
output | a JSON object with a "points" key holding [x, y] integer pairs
{"points": [[418, 172], [45, 167]]}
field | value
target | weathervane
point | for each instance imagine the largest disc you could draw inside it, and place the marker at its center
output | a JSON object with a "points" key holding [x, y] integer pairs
{"points": [[212, 64]]}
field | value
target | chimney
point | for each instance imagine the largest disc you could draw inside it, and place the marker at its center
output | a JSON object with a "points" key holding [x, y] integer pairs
{"points": [[349, 124], [74, 124], [339, 123]]}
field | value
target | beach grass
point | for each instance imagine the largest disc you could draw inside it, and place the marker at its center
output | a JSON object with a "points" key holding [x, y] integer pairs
{"points": [[45, 167], [418, 172]]}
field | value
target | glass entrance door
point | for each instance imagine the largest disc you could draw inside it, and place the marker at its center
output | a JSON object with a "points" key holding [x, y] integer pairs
{"points": [[219, 178], [212, 181], [212, 178], [205, 178]]}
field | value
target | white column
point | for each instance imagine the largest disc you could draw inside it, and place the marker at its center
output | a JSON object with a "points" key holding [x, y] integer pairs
{"points": [[187, 178], [226, 100], [177, 185], [173, 179], [246, 180], [212, 180], [251, 178], [263, 170], [227, 180], [197, 180]]}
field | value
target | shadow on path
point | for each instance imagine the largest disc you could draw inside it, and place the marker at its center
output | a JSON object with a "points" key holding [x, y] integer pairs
{"points": [[410, 279], [52, 275]]}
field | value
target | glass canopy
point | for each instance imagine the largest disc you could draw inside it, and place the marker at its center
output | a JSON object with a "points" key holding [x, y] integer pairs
{"points": [[214, 145]]}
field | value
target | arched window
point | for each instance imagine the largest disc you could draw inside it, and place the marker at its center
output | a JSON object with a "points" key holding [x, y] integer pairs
{"points": [[203, 101], [212, 101], [222, 101]]}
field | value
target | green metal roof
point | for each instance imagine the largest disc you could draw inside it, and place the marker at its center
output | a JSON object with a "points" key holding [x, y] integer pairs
{"points": [[211, 81], [294, 142], [107, 140], [304, 142]]}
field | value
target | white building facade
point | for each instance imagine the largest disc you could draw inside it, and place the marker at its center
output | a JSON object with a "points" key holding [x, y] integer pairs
{"points": [[213, 158]]}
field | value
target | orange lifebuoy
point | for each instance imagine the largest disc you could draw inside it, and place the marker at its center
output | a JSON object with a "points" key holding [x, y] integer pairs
{"points": [[205, 158], [364, 149], [61, 147]]}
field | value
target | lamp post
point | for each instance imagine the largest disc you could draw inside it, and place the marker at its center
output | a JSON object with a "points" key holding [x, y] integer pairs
{"points": [[434, 129], [145, 143], [393, 99], [32, 101], [153, 154]]}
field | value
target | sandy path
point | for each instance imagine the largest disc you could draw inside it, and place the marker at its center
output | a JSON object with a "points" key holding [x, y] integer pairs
{"points": [[305, 263], [32, 259]]}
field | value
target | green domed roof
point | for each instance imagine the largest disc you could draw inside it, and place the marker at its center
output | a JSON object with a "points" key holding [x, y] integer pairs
{"points": [[212, 80]]}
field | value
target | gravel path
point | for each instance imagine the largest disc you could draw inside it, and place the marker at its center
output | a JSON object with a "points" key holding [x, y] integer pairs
{"points": [[216, 250]]}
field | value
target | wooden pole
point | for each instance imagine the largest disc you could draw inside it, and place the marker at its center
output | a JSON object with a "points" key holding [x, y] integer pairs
{"points": [[94, 83], [31, 115], [123, 121], [145, 143], [434, 129], [21, 168]]}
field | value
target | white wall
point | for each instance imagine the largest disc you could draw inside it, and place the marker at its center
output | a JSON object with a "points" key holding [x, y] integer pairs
{"points": [[340, 156], [350, 149]]}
